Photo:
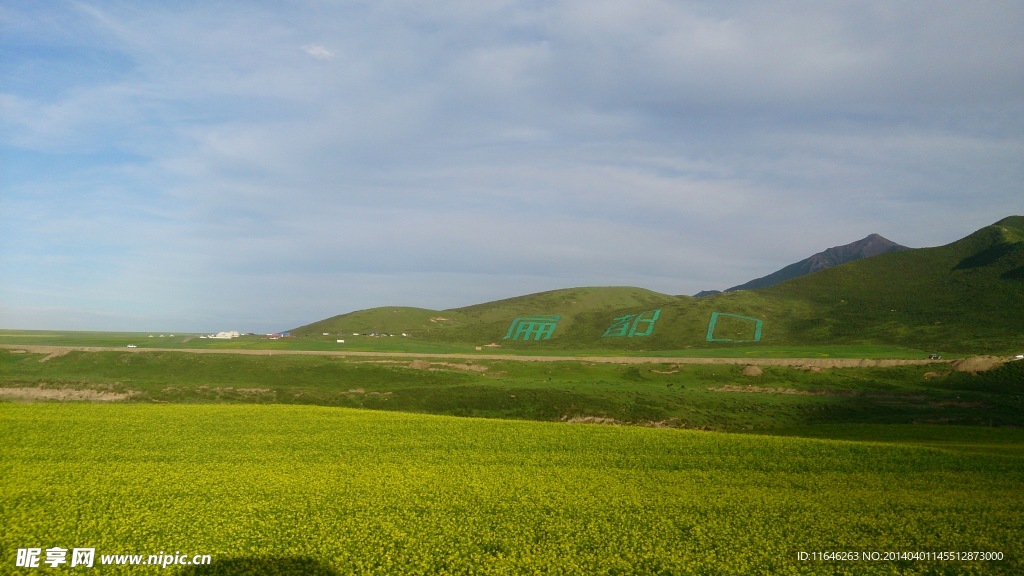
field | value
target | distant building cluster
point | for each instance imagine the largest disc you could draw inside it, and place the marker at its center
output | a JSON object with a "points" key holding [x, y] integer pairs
{"points": [[279, 335], [236, 334], [224, 335]]}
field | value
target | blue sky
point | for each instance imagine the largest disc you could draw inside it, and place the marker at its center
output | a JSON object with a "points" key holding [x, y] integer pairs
{"points": [[204, 166]]}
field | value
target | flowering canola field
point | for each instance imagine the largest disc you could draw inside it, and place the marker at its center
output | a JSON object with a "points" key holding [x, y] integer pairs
{"points": [[314, 490]]}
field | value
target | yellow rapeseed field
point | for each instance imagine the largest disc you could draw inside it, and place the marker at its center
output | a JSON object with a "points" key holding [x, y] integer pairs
{"points": [[314, 490]]}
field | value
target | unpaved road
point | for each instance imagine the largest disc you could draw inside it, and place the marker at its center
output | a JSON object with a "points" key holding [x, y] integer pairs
{"points": [[55, 351]]}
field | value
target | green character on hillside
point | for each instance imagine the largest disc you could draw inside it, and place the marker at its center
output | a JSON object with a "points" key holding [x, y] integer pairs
{"points": [[633, 324], [532, 327]]}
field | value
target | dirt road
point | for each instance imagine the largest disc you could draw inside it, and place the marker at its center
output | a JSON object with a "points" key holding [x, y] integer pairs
{"points": [[55, 351]]}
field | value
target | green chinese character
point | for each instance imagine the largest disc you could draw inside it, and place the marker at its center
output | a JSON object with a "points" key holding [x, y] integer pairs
{"points": [[620, 326], [647, 319], [633, 324], [537, 327]]}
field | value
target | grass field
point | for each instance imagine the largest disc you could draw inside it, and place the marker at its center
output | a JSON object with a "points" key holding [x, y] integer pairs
{"points": [[318, 490], [705, 396], [416, 345]]}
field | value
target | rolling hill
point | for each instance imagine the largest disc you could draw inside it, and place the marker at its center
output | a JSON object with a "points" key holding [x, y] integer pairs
{"points": [[967, 296], [385, 320]]}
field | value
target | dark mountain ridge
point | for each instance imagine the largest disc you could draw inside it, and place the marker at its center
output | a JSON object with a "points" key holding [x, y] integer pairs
{"points": [[872, 245]]}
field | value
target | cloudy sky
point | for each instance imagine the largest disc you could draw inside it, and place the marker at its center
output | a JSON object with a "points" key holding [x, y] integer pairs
{"points": [[203, 166]]}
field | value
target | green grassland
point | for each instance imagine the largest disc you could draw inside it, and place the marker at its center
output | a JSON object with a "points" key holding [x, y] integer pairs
{"points": [[98, 339], [315, 490], [706, 396], [414, 345]]}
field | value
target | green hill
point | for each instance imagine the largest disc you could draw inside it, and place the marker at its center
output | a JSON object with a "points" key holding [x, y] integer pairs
{"points": [[967, 296], [387, 320], [582, 313]]}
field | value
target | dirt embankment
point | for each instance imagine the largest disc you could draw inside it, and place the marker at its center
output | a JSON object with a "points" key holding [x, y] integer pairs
{"points": [[424, 365], [773, 390], [63, 395], [977, 364]]}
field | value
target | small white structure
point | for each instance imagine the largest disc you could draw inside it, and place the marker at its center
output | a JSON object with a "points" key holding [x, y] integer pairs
{"points": [[341, 341]]}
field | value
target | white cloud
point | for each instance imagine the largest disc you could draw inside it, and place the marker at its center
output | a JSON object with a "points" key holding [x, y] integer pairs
{"points": [[318, 52]]}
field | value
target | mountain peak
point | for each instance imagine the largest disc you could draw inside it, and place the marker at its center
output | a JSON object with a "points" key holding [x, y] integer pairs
{"points": [[871, 245]]}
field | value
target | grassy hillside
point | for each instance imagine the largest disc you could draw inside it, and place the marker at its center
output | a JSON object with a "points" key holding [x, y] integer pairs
{"points": [[421, 322], [584, 314], [293, 490], [967, 296]]}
